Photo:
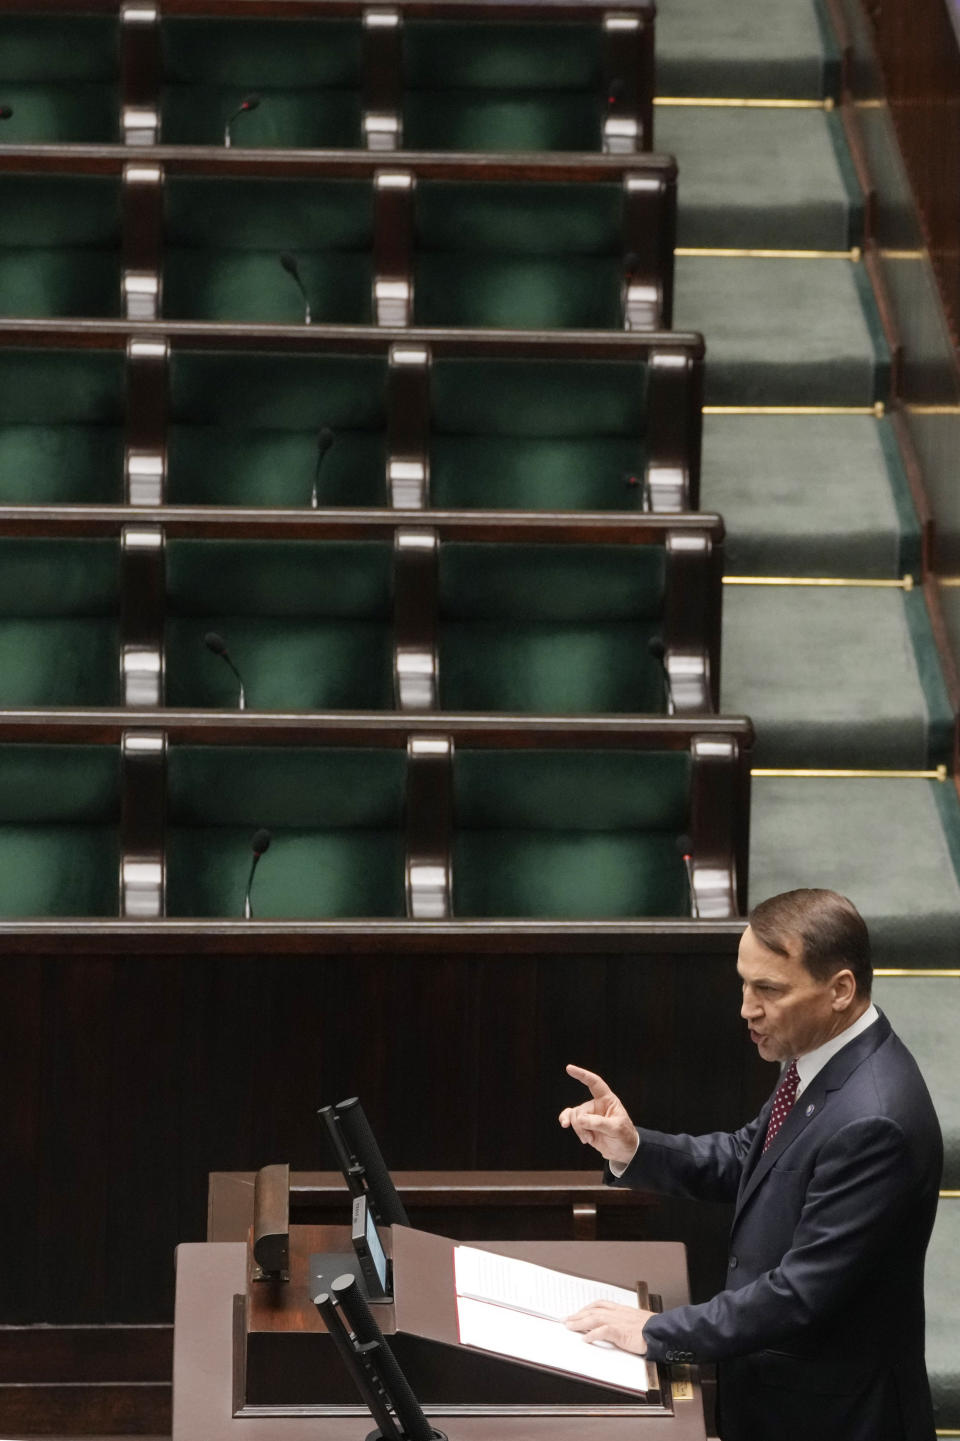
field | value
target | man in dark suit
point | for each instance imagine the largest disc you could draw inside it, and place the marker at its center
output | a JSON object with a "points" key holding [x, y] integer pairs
{"points": [[820, 1330]]}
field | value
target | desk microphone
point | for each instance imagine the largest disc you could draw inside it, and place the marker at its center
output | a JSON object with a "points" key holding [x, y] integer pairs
{"points": [[6, 112], [259, 845], [218, 645], [641, 483], [614, 92], [658, 652], [685, 847], [324, 442], [290, 265], [250, 102]]}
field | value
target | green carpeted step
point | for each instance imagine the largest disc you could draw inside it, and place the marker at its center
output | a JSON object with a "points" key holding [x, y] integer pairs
{"points": [[942, 1295], [778, 179], [810, 495], [925, 1013], [733, 48], [890, 845], [834, 676], [784, 332]]}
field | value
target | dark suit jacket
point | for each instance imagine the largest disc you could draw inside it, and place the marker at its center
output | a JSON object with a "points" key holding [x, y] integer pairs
{"points": [[820, 1331]]}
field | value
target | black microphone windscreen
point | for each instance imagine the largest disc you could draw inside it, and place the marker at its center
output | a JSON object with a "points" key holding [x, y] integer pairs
{"points": [[324, 439], [615, 89], [684, 845], [6, 111], [215, 642], [289, 263], [261, 842], [656, 648], [250, 102]]}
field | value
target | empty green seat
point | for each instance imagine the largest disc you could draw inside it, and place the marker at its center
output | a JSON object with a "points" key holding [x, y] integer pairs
{"points": [[308, 624], [336, 819], [60, 245], [502, 86], [554, 629], [537, 435], [307, 74], [537, 256], [62, 418], [244, 429], [59, 830], [60, 76], [566, 834], [59, 622], [224, 239]]}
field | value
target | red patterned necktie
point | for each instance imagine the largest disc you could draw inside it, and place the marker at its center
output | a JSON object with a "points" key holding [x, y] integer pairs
{"points": [[784, 1097]]}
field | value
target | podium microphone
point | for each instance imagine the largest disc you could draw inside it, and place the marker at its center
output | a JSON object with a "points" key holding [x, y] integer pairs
{"points": [[260, 844], [658, 651], [250, 102], [289, 263], [685, 847], [324, 442], [218, 646]]}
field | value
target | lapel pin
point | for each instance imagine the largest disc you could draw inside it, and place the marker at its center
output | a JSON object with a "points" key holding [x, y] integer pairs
{"points": [[810, 1109]]}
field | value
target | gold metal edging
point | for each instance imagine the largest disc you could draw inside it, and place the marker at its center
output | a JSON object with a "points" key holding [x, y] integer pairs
{"points": [[906, 582], [944, 973], [931, 409], [825, 773], [878, 409], [740, 102], [854, 254]]}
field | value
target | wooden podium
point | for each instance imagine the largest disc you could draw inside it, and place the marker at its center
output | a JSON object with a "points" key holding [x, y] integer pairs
{"points": [[253, 1361]]}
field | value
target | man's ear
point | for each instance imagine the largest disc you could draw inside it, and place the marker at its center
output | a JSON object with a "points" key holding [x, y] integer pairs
{"points": [[844, 989]]}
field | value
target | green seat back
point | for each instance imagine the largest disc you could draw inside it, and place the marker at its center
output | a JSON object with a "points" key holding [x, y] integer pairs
{"points": [[60, 75], [60, 246], [61, 426]]}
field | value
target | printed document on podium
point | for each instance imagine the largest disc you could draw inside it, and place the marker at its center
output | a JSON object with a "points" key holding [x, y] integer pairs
{"points": [[515, 1308]]}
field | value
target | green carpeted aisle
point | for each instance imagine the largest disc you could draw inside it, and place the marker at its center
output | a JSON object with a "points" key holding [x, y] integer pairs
{"points": [[802, 462]]}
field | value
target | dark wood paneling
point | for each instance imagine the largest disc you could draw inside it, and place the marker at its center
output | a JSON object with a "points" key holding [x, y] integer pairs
{"points": [[147, 1071]]}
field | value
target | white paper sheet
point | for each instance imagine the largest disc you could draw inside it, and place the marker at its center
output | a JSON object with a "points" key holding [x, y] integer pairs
{"points": [[524, 1286], [547, 1343]]}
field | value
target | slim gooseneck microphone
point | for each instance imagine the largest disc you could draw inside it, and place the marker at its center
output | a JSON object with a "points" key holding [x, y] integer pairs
{"points": [[290, 265], [685, 847], [250, 102], [218, 646], [324, 441], [614, 91], [6, 112], [259, 844], [641, 483], [658, 651]]}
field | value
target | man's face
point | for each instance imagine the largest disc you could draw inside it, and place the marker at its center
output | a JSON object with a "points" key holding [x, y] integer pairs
{"points": [[787, 1011]]}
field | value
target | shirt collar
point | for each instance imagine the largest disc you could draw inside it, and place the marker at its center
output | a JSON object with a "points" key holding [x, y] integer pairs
{"points": [[813, 1062]]}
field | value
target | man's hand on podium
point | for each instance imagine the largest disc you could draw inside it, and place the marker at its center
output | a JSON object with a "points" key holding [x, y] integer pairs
{"points": [[618, 1325], [601, 1122]]}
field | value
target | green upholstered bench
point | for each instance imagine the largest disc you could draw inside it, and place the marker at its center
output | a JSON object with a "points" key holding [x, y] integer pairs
{"points": [[502, 77], [336, 816], [60, 244], [59, 830], [60, 76], [309, 625], [576, 425], [62, 418], [59, 622]]}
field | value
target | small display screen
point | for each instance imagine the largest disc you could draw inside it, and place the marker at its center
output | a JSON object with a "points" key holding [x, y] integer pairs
{"points": [[374, 1246]]}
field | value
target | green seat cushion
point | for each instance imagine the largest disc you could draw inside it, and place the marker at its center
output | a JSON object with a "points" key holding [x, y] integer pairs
{"points": [[61, 426], [244, 429], [336, 817], [535, 435], [60, 75], [59, 836], [224, 240], [566, 834], [525, 256], [551, 582], [308, 625]]}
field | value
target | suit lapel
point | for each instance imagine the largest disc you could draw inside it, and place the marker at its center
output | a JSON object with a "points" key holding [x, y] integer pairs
{"points": [[809, 1105]]}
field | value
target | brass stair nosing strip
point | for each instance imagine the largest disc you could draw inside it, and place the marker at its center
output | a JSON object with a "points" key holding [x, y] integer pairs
{"points": [[718, 252], [833, 774], [740, 102], [947, 973], [905, 582], [878, 410], [931, 409]]}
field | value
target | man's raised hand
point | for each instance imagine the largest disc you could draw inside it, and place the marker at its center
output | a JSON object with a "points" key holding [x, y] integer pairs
{"points": [[601, 1122]]}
